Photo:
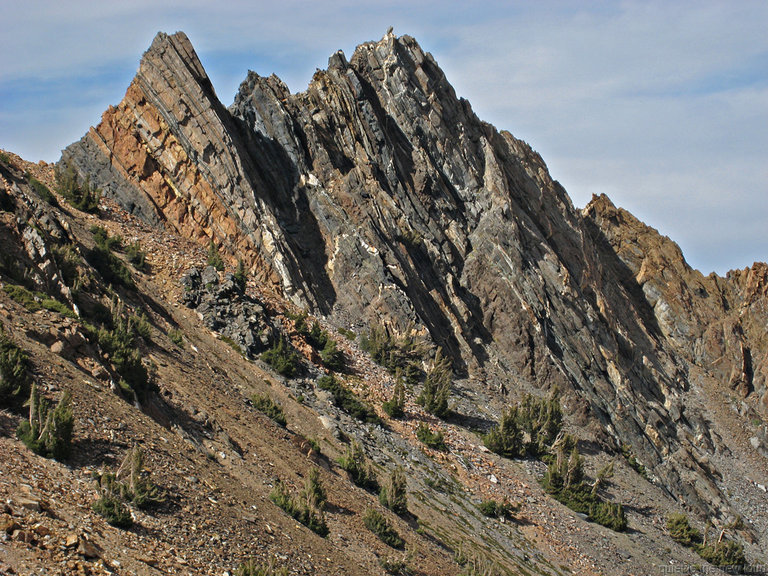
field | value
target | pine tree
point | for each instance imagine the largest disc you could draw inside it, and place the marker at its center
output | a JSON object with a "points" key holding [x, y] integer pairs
{"points": [[395, 407], [48, 432], [214, 258], [394, 494], [437, 386], [241, 276]]}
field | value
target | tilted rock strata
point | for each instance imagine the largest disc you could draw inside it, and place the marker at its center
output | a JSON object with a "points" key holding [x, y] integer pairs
{"points": [[717, 323], [377, 195]]}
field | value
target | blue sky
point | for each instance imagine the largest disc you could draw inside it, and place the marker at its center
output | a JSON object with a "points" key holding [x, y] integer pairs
{"points": [[662, 105]]}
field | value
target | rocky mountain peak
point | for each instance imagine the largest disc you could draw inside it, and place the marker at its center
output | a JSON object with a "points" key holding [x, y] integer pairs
{"points": [[376, 198]]}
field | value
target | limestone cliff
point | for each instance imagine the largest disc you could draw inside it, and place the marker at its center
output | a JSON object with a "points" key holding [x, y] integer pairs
{"points": [[378, 197]]}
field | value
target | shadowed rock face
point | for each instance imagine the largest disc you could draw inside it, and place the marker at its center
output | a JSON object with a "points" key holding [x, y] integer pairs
{"points": [[378, 197]]}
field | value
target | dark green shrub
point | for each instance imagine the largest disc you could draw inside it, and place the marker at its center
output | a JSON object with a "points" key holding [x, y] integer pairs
{"points": [[537, 418], [724, 553], [81, 195], [395, 407], [393, 353], [564, 480], [282, 358], [506, 438], [102, 238], [34, 301], [396, 567], [317, 337], [376, 523], [394, 493], [437, 386], [111, 268], [120, 345], [433, 440], [67, 261], [313, 495], [608, 514], [311, 516], [136, 256], [176, 336], [681, 530], [332, 357], [347, 401], [114, 511], [494, 509], [48, 432], [299, 322], [14, 376], [214, 258], [136, 485], [348, 334], [265, 404], [43, 191], [241, 276], [358, 467]]}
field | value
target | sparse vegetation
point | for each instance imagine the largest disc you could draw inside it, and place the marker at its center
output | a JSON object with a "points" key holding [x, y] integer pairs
{"points": [[377, 523], [437, 386], [176, 336], [348, 334], [47, 431], [136, 256], [564, 480], [396, 567], [232, 344], [681, 530], [79, 194], [119, 344], [434, 440], [130, 484], [722, 553], [394, 493], [527, 429], [358, 467], [332, 357], [14, 376], [34, 301], [113, 510], [265, 404], [494, 509], [306, 509], [102, 238], [108, 265], [251, 568], [282, 358], [395, 353], [241, 276], [346, 400], [395, 406], [214, 258], [68, 262], [43, 191]]}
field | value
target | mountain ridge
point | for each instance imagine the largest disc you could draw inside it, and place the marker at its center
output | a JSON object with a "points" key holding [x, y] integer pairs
{"points": [[377, 199], [380, 173]]}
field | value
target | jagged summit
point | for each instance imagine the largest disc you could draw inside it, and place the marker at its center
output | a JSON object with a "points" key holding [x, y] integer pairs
{"points": [[376, 197]]}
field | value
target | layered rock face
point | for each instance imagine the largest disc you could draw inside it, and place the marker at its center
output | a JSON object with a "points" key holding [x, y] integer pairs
{"points": [[378, 197]]}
